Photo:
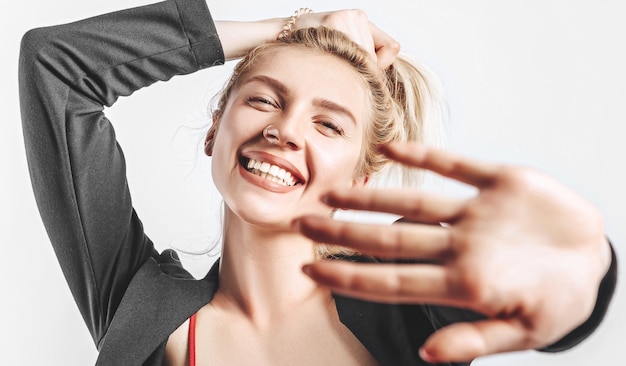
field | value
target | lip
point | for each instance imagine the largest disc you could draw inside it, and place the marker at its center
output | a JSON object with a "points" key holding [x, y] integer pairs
{"points": [[273, 160]]}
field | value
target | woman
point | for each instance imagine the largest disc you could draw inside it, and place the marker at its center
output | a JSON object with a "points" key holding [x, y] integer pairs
{"points": [[299, 110]]}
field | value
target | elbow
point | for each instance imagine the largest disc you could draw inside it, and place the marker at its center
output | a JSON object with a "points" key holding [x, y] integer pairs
{"points": [[33, 38], [33, 43], [34, 70], [40, 46]]}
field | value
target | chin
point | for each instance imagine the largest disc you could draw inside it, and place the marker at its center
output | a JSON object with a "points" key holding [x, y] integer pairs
{"points": [[273, 215], [262, 212]]}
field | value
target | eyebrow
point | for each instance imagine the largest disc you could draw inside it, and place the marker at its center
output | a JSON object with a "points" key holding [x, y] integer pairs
{"points": [[334, 107], [318, 102], [271, 82]]}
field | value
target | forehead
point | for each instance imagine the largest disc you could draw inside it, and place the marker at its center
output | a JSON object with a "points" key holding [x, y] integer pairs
{"points": [[309, 73]]}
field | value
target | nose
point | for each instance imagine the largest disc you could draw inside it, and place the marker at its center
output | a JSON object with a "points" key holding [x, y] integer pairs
{"points": [[288, 133]]}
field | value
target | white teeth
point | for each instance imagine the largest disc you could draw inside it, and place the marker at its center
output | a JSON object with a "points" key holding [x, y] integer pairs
{"points": [[271, 172], [265, 167]]}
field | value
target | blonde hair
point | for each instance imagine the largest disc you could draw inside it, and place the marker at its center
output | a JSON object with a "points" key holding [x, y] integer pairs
{"points": [[405, 103]]}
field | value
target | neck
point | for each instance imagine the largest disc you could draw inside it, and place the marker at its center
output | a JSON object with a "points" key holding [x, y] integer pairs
{"points": [[260, 270]]}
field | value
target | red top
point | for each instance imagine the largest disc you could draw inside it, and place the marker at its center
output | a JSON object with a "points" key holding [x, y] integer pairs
{"points": [[192, 340]]}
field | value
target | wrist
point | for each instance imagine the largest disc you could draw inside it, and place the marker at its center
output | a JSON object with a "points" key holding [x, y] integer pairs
{"points": [[238, 37], [606, 256], [290, 24]]}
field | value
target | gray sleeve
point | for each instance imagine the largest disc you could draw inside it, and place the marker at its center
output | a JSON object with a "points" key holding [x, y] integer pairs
{"points": [[67, 74]]}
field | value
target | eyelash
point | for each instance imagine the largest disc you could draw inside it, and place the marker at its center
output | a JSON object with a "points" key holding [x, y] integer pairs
{"points": [[262, 100], [336, 128], [333, 126]]}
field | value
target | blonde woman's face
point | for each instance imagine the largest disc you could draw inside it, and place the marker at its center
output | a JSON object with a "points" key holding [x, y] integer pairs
{"points": [[314, 105]]}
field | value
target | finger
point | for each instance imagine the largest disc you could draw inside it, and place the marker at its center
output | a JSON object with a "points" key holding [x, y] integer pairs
{"points": [[390, 241], [352, 22], [356, 27], [385, 46], [389, 283], [470, 171], [414, 206], [463, 342]]}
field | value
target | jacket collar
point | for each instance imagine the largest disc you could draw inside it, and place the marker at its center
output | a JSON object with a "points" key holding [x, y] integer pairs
{"points": [[154, 305], [159, 299]]}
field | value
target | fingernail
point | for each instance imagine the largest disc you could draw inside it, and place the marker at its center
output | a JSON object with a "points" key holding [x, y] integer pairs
{"points": [[424, 355], [382, 148]]}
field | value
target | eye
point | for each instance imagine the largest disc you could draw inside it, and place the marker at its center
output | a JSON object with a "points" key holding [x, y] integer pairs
{"points": [[329, 126], [262, 102]]}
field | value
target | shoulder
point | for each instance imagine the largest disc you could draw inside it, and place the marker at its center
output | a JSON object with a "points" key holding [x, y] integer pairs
{"points": [[170, 264], [161, 297]]}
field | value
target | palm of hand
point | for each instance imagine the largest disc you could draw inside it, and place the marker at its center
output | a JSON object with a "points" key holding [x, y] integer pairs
{"points": [[526, 251]]}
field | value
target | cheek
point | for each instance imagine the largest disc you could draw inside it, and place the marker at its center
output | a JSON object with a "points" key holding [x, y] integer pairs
{"points": [[220, 143], [230, 134], [336, 165], [223, 143]]}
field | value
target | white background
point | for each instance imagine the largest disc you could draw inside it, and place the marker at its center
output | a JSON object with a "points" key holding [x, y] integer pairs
{"points": [[537, 82]]}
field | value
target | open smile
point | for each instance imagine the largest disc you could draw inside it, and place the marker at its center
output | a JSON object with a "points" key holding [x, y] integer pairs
{"points": [[271, 169], [271, 172]]}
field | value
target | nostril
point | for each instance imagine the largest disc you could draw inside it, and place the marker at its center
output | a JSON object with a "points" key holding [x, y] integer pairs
{"points": [[292, 145], [271, 134]]}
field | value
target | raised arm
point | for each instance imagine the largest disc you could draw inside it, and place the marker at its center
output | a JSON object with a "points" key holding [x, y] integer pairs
{"points": [[240, 37], [67, 74]]}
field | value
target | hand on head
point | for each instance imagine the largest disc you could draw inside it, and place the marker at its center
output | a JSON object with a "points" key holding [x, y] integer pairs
{"points": [[526, 251], [357, 26]]}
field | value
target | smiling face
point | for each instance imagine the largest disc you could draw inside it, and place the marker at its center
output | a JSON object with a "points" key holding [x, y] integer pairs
{"points": [[314, 105]]}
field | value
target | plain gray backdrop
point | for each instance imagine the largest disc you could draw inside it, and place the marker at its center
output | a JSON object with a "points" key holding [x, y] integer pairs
{"points": [[536, 82]]}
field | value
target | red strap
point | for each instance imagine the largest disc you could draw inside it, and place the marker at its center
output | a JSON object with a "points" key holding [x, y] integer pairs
{"points": [[192, 340]]}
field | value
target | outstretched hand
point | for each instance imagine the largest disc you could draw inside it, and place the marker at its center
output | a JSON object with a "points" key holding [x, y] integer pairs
{"points": [[526, 251], [356, 25]]}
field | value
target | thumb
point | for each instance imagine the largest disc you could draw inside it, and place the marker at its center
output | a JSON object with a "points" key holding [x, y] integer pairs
{"points": [[463, 342], [385, 47]]}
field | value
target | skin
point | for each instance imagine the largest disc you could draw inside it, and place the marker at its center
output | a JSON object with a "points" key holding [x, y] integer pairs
{"points": [[264, 303], [503, 253], [239, 37], [526, 251], [316, 115]]}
